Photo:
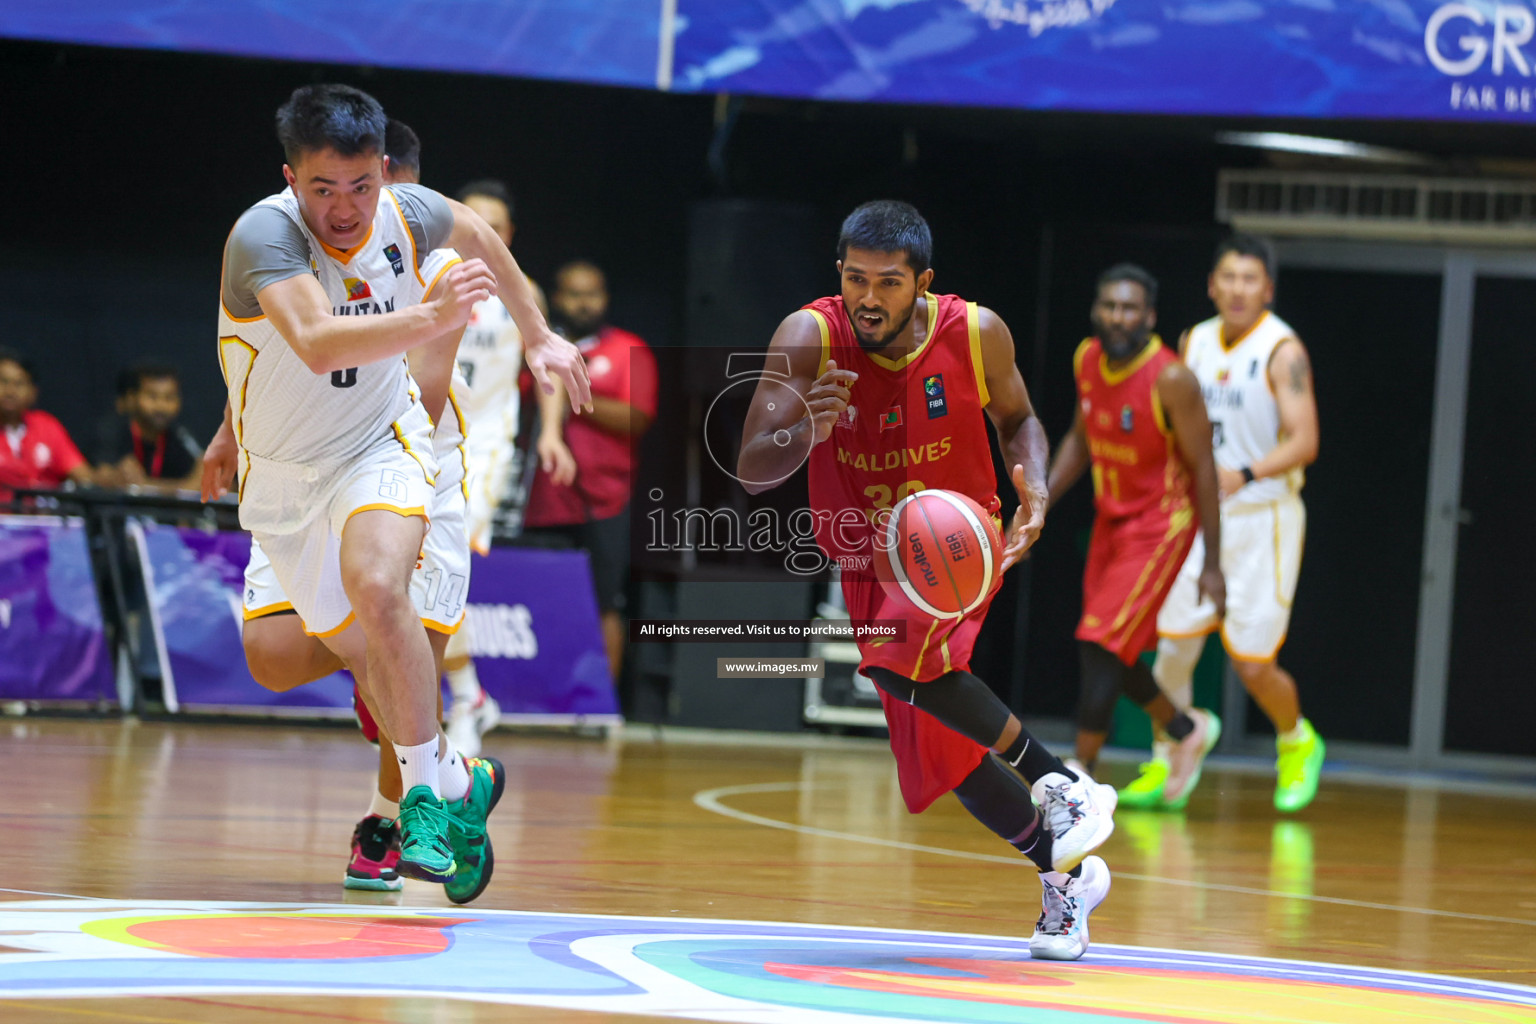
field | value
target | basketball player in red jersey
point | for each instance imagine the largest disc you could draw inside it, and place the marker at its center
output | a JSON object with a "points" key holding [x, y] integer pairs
{"points": [[887, 392], [1141, 422]]}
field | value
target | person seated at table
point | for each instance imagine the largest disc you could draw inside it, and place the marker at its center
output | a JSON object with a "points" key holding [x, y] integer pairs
{"points": [[35, 449], [149, 448]]}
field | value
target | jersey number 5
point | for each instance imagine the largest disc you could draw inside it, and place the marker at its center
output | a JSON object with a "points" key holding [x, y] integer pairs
{"points": [[344, 378]]}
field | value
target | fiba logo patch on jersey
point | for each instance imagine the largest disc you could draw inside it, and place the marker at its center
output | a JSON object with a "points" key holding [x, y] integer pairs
{"points": [[933, 389], [1127, 423], [396, 261], [357, 289]]}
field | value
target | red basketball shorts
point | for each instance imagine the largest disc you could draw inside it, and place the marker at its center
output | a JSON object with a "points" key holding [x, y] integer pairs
{"points": [[1132, 564], [931, 759]]}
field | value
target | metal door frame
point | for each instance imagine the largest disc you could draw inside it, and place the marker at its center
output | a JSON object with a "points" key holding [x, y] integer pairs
{"points": [[1458, 269]]}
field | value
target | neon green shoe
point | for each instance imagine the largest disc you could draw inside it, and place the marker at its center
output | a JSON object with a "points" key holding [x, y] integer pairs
{"points": [[471, 841], [1300, 766], [426, 827], [1146, 790]]}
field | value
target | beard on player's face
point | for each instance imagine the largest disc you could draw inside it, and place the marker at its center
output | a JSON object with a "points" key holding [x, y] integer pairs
{"points": [[1123, 342], [876, 327]]}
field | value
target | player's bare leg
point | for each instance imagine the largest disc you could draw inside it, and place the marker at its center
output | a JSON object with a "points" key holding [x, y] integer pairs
{"points": [[1300, 751], [391, 658], [281, 656], [379, 549], [1273, 689]]}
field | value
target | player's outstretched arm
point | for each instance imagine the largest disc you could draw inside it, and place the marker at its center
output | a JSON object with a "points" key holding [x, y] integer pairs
{"points": [[299, 309], [1025, 449], [1071, 461], [545, 352], [778, 434], [1179, 393]]}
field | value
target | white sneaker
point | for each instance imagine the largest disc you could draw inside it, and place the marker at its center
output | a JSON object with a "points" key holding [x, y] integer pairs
{"points": [[468, 722], [1187, 758], [1062, 931], [1079, 815]]}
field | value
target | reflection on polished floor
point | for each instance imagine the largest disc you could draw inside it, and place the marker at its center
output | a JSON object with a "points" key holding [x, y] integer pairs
{"points": [[1404, 878]]}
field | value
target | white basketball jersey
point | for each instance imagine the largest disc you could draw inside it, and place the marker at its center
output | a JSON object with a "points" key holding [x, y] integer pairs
{"points": [[491, 356], [1244, 416], [283, 411]]}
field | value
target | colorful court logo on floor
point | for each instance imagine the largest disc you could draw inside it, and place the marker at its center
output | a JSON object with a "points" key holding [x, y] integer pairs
{"points": [[702, 970]]}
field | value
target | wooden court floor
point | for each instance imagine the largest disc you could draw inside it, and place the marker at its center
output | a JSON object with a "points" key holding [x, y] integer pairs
{"points": [[1420, 878]]}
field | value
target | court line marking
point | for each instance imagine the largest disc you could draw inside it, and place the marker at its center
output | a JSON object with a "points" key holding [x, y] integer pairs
{"points": [[711, 800], [59, 895]]}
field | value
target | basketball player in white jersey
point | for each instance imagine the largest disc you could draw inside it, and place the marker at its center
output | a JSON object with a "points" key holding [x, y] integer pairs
{"points": [[490, 358], [1257, 382], [321, 297], [280, 654]]}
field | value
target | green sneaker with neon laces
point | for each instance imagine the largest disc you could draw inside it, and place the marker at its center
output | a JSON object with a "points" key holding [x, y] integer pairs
{"points": [[471, 841], [426, 830]]}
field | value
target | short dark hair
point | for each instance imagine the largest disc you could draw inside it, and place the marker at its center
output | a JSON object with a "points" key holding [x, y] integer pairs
{"points": [[10, 355], [888, 225], [335, 117], [1243, 244], [402, 146], [573, 265], [151, 370], [491, 188], [1136, 274]]}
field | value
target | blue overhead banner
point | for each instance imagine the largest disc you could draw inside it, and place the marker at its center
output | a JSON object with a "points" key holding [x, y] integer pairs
{"points": [[1419, 59], [1282, 58], [609, 42]]}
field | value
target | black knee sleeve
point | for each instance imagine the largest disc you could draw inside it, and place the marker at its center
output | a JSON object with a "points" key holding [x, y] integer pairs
{"points": [[958, 699], [1139, 684], [1102, 674]]}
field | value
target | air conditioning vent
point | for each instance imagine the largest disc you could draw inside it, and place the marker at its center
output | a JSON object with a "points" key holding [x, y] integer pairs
{"points": [[1375, 206]]}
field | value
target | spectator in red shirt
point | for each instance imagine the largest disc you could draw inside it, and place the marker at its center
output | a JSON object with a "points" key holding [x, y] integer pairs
{"points": [[592, 511], [35, 449]]}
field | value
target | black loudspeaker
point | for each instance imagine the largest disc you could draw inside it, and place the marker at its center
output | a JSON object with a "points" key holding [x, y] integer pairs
{"points": [[698, 696], [750, 264]]}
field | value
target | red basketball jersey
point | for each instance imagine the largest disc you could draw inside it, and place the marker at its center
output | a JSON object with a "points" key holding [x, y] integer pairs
{"points": [[912, 423], [1136, 466]]}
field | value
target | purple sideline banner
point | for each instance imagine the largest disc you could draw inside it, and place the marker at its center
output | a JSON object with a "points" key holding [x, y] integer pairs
{"points": [[534, 629], [195, 579], [52, 644], [535, 636]]}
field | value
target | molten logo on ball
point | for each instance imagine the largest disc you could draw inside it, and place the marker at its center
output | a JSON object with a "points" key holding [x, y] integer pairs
{"points": [[939, 551]]}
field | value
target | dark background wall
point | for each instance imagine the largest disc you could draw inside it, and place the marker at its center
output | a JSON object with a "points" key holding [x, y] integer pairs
{"points": [[128, 168]]}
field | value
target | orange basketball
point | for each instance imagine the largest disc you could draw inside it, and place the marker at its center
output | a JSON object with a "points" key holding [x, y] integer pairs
{"points": [[940, 551]]}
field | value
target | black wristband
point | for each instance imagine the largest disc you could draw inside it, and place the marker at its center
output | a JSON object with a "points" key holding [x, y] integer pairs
{"points": [[1247, 472]]}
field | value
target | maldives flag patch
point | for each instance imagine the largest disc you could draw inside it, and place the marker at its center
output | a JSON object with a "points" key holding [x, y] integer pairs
{"points": [[892, 418]]}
